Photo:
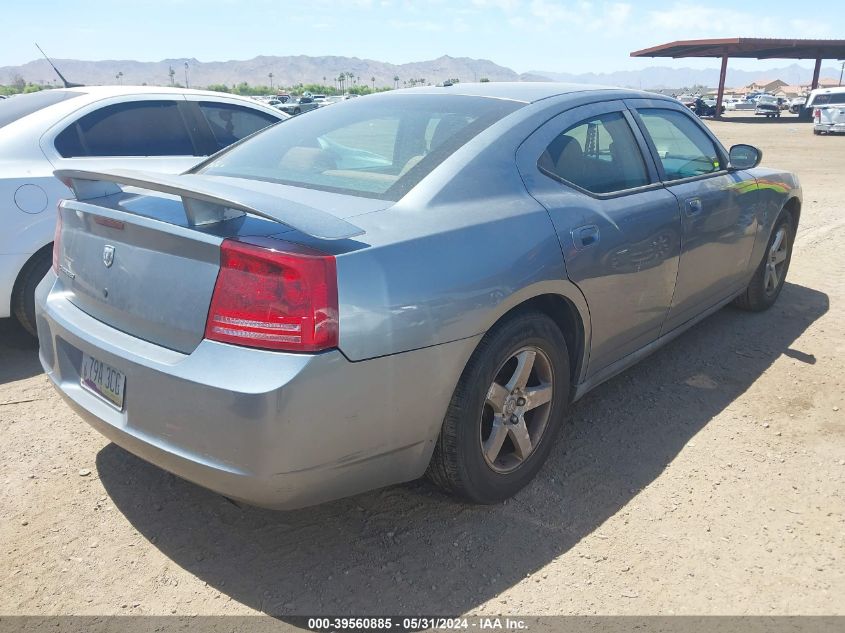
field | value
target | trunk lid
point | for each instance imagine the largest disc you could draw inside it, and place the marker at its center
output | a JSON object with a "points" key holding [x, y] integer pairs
{"points": [[141, 264]]}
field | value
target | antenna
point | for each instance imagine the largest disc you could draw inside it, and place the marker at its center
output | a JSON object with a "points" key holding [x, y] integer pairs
{"points": [[65, 82]]}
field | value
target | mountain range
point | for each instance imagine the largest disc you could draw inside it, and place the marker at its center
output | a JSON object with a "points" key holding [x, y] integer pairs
{"points": [[292, 70]]}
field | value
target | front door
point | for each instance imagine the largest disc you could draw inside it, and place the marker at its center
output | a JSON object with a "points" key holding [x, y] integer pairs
{"points": [[717, 216]]}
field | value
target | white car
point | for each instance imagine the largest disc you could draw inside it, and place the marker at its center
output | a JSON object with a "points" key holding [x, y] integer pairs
{"points": [[827, 108], [822, 97], [101, 127]]}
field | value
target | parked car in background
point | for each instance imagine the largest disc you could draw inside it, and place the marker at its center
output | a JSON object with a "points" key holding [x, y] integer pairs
{"points": [[420, 281], [743, 104], [687, 100], [796, 104], [160, 129], [298, 106], [711, 107], [822, 97], [829, 118], [767, 106]]}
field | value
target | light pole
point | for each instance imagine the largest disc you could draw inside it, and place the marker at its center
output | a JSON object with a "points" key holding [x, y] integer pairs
{"points": [[841, 70], [186, 74]]}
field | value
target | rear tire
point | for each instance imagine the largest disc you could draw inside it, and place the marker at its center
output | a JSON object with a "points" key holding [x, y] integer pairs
{"points": [[767, 282], [500, 426], [23, 293]]}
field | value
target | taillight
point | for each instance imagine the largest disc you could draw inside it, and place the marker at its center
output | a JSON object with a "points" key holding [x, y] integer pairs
{"points": [[57, 239], [274, 295], [817, 115]]}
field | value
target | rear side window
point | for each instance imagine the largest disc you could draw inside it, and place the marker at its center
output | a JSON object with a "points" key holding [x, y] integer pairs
{"points": [[19, 106], [230, 122], [138, 128], [599, 154], [684, 149]]}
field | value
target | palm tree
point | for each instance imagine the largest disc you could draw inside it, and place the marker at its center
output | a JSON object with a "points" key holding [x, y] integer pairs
{"points": [[119, 76], [395, 81], [373, 79], [172, 74], [270, 75]]}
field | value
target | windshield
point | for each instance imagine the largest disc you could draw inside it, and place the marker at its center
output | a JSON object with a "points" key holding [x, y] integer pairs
{"points": [[376, 147], [19, 106]]}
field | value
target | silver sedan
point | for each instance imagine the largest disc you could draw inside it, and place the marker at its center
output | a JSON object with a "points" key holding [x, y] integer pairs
{"points": [[415, 282]]}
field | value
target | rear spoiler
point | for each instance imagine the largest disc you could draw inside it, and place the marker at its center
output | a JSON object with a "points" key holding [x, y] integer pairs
{"points": [[209, 201]]}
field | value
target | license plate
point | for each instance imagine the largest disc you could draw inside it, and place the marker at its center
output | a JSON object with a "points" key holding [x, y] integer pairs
{"points": [[103, 380]]}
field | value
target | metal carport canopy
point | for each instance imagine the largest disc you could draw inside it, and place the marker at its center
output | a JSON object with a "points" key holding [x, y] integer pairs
{"points": [[749, 48]]}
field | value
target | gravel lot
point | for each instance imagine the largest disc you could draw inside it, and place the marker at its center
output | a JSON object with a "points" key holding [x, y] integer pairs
{"points": [[709, 479]]}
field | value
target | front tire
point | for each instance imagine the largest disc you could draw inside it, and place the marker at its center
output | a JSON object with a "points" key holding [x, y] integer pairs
{"points": [[767, 282], [23, 294], [506, 411]]}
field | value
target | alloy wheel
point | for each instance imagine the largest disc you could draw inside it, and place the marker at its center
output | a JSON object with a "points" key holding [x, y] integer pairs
{"points": [[776, 261], [516, 409]]}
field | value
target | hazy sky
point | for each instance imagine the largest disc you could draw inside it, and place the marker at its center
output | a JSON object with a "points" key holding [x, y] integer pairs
{"points": [[567, 36]]}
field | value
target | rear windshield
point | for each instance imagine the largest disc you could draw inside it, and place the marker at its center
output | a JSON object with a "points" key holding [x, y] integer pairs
{"points": [[19, 106], [377, 147], [826, 98]]}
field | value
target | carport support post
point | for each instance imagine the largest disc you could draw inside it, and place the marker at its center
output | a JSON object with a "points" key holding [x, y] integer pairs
{"points": [[721, 93], [816, 70]]}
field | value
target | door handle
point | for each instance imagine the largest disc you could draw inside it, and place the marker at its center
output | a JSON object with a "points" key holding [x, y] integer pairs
{"points": [[585, 236], [694, 207]]}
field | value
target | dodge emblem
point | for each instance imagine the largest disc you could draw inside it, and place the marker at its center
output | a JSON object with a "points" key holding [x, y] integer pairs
{"points": [[108, 255]]}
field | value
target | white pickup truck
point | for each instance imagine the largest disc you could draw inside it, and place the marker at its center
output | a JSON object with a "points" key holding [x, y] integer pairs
{"points": [[827, 107]]}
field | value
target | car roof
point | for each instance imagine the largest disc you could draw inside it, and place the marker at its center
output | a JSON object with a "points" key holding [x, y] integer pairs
{"points": [[525, 91], [100, 92], [832, 90]]}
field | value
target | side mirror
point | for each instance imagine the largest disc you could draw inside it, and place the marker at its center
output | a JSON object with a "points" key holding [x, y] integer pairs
{"points": [[744, 156]]}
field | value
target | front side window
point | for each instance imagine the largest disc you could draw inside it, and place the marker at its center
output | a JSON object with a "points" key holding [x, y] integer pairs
{"points": [[378, 146], [599, 154], [230, 122], [684, 149], [138, 128]]}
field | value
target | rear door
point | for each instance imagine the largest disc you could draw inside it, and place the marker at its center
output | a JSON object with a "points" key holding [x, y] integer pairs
{"points": [[717, 213], [618, 227]]}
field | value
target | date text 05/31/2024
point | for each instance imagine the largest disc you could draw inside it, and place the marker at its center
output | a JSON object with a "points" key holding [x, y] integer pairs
{"points": [[417, 624]]}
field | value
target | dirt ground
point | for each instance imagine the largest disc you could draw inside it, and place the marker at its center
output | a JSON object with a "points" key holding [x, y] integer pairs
{"points": [[709, 479]]}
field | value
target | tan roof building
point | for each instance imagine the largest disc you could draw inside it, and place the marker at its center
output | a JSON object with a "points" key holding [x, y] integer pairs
{"points": [[766, 85]]}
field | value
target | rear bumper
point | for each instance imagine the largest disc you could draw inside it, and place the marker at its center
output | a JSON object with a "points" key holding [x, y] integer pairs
{"points": [[267, 428], [831, 128]]}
